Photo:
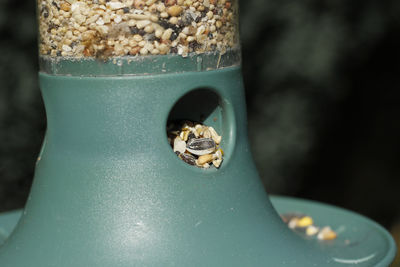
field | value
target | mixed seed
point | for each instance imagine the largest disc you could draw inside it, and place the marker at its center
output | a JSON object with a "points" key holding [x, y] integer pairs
{"points": [[107, 28], [196, 144], [305, 224]]}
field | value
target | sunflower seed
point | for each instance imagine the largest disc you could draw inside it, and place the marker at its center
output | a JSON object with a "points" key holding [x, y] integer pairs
{"points": [[191, 136], [188, 158], [201, 146]]}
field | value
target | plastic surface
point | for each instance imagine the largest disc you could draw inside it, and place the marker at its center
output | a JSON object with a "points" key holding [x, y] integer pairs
{"points": [[361, 242], [8, 220], [109, 191], [147, 65]]}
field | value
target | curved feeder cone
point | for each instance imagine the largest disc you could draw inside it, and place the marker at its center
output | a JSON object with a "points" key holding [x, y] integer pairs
{"points": [[109, 190]]}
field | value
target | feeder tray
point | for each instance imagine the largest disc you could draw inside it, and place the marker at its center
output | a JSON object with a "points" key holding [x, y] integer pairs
{"points": [[360, 241], [108, 188]]}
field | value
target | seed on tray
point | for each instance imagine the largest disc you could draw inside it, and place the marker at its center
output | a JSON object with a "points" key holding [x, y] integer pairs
{"points": [[305, 225], [326, 233], [312, 230], [287, 217], [305, 221], [293, 223]]}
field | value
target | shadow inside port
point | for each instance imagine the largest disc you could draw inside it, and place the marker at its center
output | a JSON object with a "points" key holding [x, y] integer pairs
{"points": [[198, 106]]}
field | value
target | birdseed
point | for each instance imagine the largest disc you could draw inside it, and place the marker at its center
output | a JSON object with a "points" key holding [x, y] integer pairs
{"points": [[305, 225], [196, 144], [200, 146], [104, 28]]}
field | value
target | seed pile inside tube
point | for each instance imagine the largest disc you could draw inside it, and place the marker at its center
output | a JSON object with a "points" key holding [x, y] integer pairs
{"points": [[305, 224], [196, 144], [109, 28]]}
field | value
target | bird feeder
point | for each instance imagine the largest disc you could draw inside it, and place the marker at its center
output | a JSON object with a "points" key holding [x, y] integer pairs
{"points": [[109, 190]]}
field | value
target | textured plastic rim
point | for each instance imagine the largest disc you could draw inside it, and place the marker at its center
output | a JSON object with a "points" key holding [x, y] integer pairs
{"points": [[139, 65]]}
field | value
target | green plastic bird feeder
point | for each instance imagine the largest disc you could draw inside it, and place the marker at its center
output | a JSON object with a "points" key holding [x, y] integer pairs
{"points": [[109, 190]]}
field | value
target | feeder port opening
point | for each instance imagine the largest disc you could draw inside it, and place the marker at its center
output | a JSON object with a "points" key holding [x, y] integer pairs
{"points": [[198, 129]]}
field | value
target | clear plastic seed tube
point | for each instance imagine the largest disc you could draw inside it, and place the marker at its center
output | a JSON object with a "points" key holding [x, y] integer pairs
{"points": [[123, 31]]}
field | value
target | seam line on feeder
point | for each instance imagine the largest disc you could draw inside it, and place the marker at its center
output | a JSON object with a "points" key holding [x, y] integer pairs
{"points": [[355, 261]]}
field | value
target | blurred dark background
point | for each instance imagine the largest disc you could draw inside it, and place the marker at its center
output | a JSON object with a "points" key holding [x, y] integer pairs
{"points": [[322, 80], [322, 84]]}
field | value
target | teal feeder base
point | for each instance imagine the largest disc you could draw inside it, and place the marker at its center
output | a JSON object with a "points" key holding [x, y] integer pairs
{"points": [[361, 242], [109, 191]]}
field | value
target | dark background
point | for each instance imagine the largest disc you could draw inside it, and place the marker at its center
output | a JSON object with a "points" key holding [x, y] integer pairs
{"points": [[322, 85]]}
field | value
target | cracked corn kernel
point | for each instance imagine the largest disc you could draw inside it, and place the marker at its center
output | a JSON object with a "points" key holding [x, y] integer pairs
{"points": [[312, 230], [205, 159], [305, 221], [326, 233]]}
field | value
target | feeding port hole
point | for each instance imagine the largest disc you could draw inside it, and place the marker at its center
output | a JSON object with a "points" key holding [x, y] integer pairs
{"points": [[197, 129]]}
